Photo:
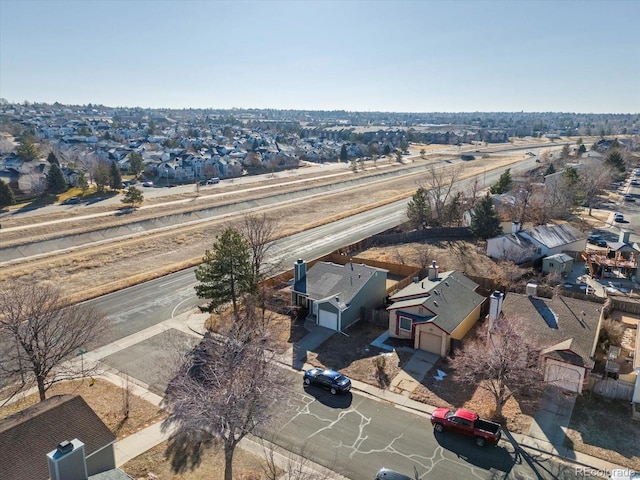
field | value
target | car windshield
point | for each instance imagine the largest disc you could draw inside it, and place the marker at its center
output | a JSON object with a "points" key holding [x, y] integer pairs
{"points": [[340, 378]]}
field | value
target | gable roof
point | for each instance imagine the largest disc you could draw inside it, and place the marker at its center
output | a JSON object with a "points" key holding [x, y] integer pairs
{"points": [[27, 436], [449, 299], [326, 279], [552, 236], [562, 327], [560, 258]]}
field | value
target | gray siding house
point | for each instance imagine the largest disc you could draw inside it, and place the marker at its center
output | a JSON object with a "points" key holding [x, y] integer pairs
{"points": [[337, 294]]}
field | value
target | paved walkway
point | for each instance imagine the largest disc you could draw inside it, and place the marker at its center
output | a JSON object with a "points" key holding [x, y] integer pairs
{"points": [[545, 436]]}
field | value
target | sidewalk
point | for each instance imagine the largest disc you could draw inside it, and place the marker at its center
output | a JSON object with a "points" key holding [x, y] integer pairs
{"points": [[545, 436]]}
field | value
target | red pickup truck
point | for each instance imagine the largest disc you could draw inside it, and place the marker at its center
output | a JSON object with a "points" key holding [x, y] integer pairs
{"points": [[467, 423]]}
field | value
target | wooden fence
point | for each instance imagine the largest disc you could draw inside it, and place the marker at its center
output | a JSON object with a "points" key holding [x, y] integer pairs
{"points": [[418, 235], [611, 388]]}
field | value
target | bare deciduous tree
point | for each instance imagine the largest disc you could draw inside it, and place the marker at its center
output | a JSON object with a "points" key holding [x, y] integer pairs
{"points": [[260, 232], [502, 362], [594, 180], [439, 186], [40, 335], [221, 393], [473, 193]]}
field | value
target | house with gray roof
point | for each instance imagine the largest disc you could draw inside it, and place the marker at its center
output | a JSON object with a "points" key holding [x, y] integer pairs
{"points": [[336, 295], [522, 245], [564, 329], [27, 437], [433, 311]]}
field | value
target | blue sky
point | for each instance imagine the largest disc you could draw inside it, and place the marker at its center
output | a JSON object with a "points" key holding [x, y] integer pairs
{"points": [[409, 56]]}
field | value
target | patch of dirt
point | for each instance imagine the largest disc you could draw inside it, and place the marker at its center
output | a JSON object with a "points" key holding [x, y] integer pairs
{"points": [[461, 255], [153, 465], [353, 355], [603, 428], [106, 399]]}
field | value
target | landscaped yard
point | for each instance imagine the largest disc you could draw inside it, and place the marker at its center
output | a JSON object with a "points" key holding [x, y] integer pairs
{"points": [[603, 428]]}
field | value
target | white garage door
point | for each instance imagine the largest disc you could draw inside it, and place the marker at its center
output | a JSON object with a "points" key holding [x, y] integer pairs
{"points": [[563, 377], [430, 342], [328, 319]]}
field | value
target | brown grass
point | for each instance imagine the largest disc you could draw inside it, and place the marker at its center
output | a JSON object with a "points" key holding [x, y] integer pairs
{"points": [[603, 428], [354, 356], [98, 270], [518, 411], [106, 399], [284, 329], [153, 465], [461, 255]]}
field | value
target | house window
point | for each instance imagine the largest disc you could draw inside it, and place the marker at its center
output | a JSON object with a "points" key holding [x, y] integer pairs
{"points": [[405, 324]]}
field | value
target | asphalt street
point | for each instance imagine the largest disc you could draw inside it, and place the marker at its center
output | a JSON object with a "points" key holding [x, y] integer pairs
{"points": [[355, 436]]}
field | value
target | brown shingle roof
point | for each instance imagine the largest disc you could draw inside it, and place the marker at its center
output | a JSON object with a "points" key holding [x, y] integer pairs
{"points": [[564, 328], [27, 436]]}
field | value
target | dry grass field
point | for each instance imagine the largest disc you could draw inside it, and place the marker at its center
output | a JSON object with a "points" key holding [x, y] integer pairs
{"points": [[89, 272]]}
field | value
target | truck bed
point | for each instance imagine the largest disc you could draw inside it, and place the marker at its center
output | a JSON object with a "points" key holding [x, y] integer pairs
{"points": [[487, 426]]}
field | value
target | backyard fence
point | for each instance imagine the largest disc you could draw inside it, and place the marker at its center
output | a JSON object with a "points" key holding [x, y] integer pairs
{"points": [[612, 388]]}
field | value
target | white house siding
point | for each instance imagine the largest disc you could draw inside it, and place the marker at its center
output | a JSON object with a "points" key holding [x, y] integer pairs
{"points": [[503, 247]]}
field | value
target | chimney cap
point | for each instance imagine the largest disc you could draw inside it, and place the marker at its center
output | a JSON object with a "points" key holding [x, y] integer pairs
{"points": [[300, 260], [64, 447]]}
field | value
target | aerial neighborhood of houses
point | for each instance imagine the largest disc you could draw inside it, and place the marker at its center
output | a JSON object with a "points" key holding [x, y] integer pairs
{"points": [[568, 283], [179, 147]]}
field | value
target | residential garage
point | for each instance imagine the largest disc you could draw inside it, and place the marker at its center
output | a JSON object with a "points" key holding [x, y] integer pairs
{"points": [[564, 375], [430, 342], [328, 319]]}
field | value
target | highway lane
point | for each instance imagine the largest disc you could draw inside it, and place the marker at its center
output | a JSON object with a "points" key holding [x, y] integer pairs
{"points": [[355, 435], [146, 304]]}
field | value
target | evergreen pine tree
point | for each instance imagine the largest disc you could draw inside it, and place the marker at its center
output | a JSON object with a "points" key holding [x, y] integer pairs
{"points": [[55, 180], [6, 195], [115, 178], [51, 158], [343, 153], [226, 273], [419, 209], [485, 222], [504, 183]]}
